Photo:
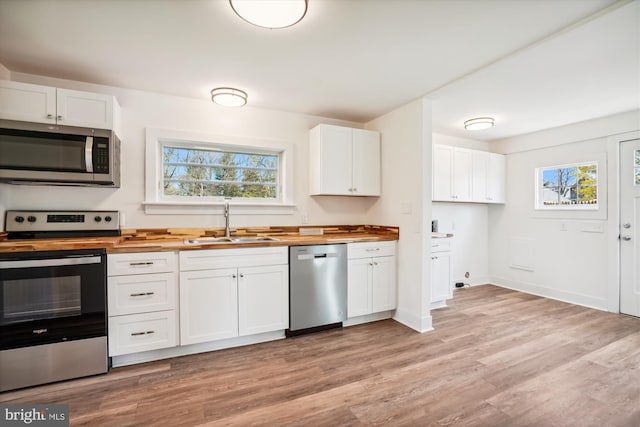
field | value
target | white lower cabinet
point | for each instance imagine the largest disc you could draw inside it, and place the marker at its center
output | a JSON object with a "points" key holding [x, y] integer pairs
{"points": [[371, 283], [226, 293], [142, 292], [441, 268], [208, 305]]}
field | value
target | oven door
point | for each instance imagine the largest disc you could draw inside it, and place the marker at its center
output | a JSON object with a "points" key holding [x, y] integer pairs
{"points": [[49, 297]]}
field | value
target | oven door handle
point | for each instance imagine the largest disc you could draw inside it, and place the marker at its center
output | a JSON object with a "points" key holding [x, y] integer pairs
{"points": [[55, 262]]}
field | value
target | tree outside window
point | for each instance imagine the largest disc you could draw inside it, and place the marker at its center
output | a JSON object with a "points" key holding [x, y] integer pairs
{"points": [[219, 173], [568, 187]]}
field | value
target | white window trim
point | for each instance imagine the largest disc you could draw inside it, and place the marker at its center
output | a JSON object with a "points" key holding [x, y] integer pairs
{"points": [[155, 203]]}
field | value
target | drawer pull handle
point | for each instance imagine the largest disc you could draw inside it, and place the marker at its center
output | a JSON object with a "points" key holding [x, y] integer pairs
{"points": [[142, 294], [138, 264], [373, 249], [135, 334]]}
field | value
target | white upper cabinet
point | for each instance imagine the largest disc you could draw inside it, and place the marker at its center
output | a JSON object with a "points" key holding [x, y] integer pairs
{"points": [[452, 174], [496, 178], [44, 104], [344, 161], [463, 175]]}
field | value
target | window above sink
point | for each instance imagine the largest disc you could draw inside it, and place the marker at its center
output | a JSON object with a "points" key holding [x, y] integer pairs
{"points": [[193, 173]]}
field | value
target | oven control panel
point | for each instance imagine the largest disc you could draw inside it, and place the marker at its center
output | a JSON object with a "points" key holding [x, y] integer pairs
{"points": [[77, 221]]}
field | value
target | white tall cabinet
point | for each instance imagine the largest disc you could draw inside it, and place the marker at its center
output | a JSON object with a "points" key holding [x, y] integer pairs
{"points": [[344, 161], [45, 104]]}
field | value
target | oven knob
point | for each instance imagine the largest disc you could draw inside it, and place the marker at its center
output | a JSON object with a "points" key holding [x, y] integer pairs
{"points": [[31, 218], [107, 218], [19, 219], [97, 219]]}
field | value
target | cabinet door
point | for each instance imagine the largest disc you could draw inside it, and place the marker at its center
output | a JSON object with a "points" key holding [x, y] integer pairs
{"points": [[27, 102], [366, 163], [383, 284], [263, 299], [208, 305], [442, 164], [330, 160], [76, 108], [496, 178], [462, 174], [479, 181], [441, 277], [359, 287]]}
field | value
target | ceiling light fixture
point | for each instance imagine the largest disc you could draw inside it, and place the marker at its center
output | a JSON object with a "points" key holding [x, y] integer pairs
{"points": [[229, 97], [479, 123], [270, 14]]}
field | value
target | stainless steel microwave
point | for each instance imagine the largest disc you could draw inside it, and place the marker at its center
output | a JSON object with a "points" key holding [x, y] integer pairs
{"points": [[38, 153]]}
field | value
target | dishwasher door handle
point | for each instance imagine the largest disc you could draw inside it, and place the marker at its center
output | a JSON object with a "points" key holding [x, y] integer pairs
{"points": [[314, 256]]}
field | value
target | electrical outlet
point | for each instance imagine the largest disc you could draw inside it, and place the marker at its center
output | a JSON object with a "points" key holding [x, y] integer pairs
{"points": [[563, 226], [304, 218]]}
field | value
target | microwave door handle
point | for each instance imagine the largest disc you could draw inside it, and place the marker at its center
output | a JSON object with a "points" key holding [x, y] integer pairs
{"points": [[88, 154]]}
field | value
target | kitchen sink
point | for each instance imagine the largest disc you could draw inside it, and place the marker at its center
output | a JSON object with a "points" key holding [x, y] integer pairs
{"points": [[214, 240]]}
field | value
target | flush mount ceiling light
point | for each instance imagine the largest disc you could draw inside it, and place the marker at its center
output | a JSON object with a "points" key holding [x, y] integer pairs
{"points": [[229, 97], [479, 123], [270, 13]]}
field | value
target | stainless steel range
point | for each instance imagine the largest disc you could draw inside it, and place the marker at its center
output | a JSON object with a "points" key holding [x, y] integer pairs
{"points": [[53, 310]]}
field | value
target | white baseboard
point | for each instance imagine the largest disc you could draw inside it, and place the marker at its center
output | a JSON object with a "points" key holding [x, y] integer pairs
{"points": [[184, 350], [423, 324], [368, 318], [560, 295]]}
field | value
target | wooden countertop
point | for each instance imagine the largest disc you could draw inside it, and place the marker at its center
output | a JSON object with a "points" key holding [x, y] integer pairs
{"points": [[171, 239]]}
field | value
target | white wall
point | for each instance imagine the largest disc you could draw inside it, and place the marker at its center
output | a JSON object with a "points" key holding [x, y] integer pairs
{"points": [[143, 109], [560, 259], [406, 202], [469, 224]]}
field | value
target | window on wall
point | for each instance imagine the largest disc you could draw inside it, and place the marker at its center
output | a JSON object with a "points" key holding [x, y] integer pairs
{"points": [[219, 172], [572, 186], [193, 173]]}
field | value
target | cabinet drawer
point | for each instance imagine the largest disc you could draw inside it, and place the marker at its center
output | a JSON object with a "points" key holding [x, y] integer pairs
{"points": [[142, 332], [370, 249], [440, 245], [141, 263], [208, 259], [141, 293]]}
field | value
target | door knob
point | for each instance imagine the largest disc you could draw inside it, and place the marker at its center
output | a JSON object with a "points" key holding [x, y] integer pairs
{"points": [[626, 238]]}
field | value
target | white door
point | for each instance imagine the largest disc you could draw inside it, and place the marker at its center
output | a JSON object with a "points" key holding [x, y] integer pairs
{"points": [[263, 299], [630, 227], [366, 163], [208, 305], [358, 287], [383, 285]]}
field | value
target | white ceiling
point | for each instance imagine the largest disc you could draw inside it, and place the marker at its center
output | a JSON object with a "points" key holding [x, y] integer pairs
{"points": [[531, 64]]}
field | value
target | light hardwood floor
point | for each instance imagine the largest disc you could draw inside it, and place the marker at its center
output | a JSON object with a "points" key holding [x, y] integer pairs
{"points": [[496, 358]]}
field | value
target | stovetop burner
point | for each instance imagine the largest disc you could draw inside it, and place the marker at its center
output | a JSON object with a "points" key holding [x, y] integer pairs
{"points": [[53, 224]]}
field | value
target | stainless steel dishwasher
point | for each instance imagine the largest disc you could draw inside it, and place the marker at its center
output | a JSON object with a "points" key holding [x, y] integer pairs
{"points": [[317, 287]]}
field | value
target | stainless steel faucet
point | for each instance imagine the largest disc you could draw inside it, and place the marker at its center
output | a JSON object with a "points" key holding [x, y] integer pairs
{"points": [[227, 230]]}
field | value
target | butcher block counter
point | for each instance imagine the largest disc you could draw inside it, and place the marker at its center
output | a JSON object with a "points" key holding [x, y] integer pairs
{"points": [[171, 239]]}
